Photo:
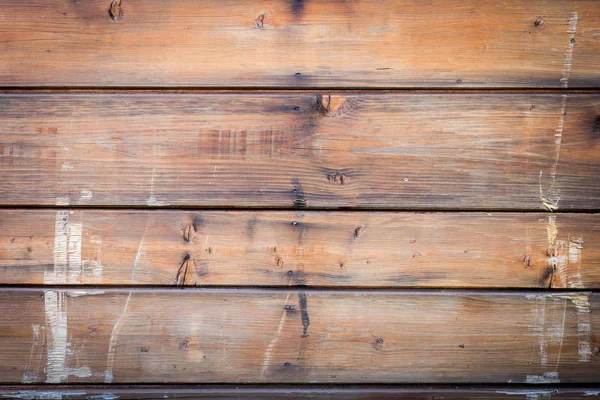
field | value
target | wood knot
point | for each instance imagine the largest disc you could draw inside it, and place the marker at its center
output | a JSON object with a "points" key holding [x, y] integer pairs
{"points": [[330, 105], [188, 233], [526, 260], [279, 261], [378, 343], [337, 177], [538, 22], [260, 21], [115, 10], [358, 231]]}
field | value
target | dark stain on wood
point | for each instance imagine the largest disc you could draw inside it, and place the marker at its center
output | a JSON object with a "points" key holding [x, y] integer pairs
{"points": [[304, 313], [299, 200]]}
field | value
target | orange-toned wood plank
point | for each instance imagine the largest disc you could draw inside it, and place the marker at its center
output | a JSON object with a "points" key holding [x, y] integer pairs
{"points": [[302, 150], [300, 43], [194, 336], [337, 249]]}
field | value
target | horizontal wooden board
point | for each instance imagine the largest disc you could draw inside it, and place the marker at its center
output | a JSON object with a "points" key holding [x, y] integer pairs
{"points": [[302, 150], [300, 43], [362, 392], [337, 249], [174, 336]]}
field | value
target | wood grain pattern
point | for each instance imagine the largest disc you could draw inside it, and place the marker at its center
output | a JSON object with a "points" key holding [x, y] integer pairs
{"points": [[337, 249], [255, 392], [173, 336], [292, 43], [302, 150]]}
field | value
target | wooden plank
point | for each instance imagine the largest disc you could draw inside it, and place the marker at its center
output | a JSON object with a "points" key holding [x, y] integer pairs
{"points": [[362, 392], [210, 335], [302, 150], [337, 249], [293, 43]]}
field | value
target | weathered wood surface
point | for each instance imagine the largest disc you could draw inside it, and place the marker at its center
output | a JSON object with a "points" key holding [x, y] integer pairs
{"points": [[337, 249], [300, 43], [362, 392], [174, 336], [303, 150]]}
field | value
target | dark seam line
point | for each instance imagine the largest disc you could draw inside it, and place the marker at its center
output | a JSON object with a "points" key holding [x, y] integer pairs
{"points": [[487, 291], [299, 90]]}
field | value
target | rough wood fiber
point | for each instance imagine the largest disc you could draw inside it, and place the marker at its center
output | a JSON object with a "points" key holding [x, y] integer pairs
{"points": [[337, 249], [169, 336], [300, 43], [302, 150], [254, 392]]}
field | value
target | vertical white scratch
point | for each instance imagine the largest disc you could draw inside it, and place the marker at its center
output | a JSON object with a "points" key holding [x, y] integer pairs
{"points": [[110, 360], [271, 346], [112, 344], [152, 200], [31, 374], [568, 57], [539, 327]]}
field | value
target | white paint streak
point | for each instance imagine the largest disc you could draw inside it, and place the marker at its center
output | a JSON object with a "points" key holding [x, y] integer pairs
{"points": [[67, 251], [74, 252], [273, 343], [568, 57], [103, 396], [80, 293], [547, 377], [56, 319], [36, 395], [589, 393], [61, 232], [557, 259], [62, 201], [547, 203], [31, 374], [538, 328], [584, 326], [86, 195], [575, 248]]}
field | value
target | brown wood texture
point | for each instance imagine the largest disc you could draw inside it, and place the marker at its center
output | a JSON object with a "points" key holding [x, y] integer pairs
{"points": [[302, 150], [300, 43], [209, 335], [363, 392], [334, 249]]}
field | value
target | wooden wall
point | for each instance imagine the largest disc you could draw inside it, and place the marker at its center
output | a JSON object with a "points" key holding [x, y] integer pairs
{"points": [[335, 199]]}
